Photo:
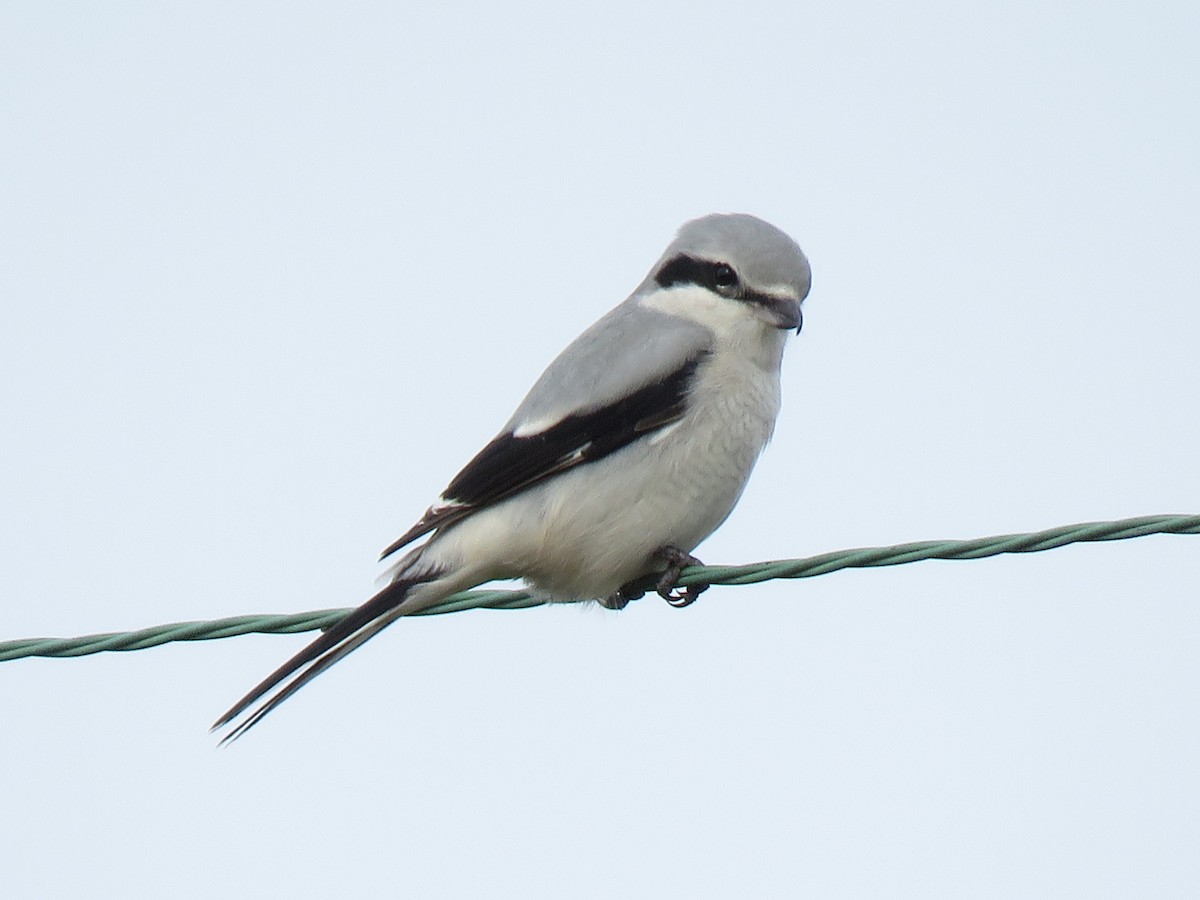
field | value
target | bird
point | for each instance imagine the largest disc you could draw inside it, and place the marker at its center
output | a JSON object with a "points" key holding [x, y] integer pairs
{"points": [[631, 448]]}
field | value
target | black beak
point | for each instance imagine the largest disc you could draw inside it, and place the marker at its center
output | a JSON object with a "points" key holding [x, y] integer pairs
{"points": [[782, 312]]}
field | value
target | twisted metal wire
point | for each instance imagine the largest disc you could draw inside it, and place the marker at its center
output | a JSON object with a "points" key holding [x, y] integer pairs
{"points": [[807, 567]]}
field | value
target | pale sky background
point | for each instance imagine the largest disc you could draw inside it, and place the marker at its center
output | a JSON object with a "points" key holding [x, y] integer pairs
{"points": [[270, 276]]}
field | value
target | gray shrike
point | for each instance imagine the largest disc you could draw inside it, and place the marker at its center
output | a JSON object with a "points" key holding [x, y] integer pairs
{"points": [[631, 449]]}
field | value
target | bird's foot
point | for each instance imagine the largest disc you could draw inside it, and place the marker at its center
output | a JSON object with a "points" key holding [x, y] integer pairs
{"points": [[677, 560], [667, 584]]}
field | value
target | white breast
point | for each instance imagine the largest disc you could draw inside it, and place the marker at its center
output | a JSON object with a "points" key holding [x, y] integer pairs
{"points": [[593, 529]]}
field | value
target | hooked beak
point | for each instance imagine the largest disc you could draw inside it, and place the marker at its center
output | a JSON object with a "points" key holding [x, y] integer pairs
{"points": [[780, 312]]}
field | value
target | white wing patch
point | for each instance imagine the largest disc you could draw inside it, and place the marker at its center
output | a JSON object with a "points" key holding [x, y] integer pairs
{"points": [[536, 426], [663, 433]]}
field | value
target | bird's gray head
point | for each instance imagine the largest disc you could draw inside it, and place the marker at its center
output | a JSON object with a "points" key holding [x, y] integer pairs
{"points": [[741, 258]]}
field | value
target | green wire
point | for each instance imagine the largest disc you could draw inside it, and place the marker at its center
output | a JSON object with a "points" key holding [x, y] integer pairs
{"points": [[749, 574]]}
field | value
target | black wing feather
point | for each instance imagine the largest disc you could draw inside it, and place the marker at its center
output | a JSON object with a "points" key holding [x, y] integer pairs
{"points": [[510, 464]]}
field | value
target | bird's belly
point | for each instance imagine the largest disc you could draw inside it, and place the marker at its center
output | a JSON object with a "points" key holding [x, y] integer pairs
{"points": [[597, 527]]}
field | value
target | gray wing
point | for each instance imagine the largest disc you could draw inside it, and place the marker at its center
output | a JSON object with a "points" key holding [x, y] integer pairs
{"points": [[628, 348], [625, 378]]}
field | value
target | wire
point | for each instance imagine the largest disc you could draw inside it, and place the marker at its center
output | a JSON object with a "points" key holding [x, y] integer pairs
{"points": [[753, 573]]}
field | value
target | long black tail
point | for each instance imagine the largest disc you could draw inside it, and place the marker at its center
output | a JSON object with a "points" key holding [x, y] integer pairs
{"points": [[346, 636]]}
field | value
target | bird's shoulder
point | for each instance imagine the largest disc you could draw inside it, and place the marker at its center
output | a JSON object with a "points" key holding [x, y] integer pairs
{"points": [[630, 347]]}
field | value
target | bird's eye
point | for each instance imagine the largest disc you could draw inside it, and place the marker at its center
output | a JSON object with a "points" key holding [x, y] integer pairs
{"points": [[724, 276]]}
